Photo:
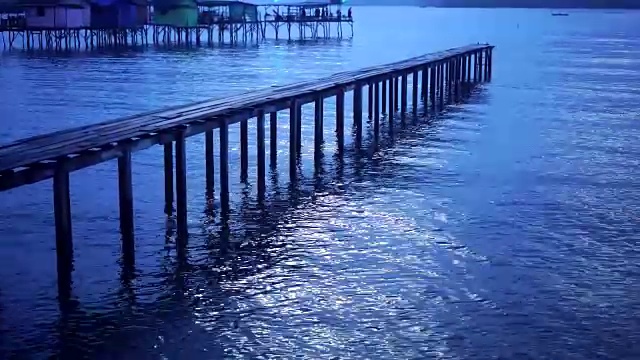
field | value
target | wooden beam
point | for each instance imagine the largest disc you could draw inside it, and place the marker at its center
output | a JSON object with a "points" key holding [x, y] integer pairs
{"points": [[181, 187], [224, 166], [168, 178], [273, 138], [244, 149], [125, 192], [261, 153], [209, 164]]}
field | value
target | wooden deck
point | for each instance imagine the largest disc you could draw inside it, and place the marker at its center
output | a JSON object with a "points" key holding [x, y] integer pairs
{"points": [[35, 159]]}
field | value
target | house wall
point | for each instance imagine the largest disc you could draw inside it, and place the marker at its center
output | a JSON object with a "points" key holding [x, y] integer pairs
{"points": [[184, 16], [58, 17], [241, 11], [118, 15]]}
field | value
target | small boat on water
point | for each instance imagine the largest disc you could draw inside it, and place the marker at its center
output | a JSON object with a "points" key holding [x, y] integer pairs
{"points": [[559, 14]]}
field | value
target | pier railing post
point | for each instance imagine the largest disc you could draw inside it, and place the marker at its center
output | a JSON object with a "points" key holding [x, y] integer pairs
{"points": [[125, 192], [293, 124], [181, 186], [273, 138], [340, 119], [224, 165], [168, 178], [261, 152]]}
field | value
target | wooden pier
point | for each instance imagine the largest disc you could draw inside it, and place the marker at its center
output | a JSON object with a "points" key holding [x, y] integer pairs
{"points": [[398, 90]]}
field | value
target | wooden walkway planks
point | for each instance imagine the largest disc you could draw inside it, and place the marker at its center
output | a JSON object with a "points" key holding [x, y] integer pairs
{"points": [[34, 159]]}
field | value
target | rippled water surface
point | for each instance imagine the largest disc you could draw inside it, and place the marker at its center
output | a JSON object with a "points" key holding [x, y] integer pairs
{"points": [[504, 229]]}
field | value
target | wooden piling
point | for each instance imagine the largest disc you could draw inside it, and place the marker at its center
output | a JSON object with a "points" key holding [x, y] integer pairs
{"points": [[425, 81], [396, 95], [370, 100], [392, 98], [403, 96], [384, 95], [490, 64], [357, 113], [376, 111], [224, 165], [340, 119], [293, 132], [414, 93], [168, 178], [273, 138], [62, 217], [125, 192], [432, 87], [261, 152], [244, 149], [318, 134], [209, 164], [181, 186]]}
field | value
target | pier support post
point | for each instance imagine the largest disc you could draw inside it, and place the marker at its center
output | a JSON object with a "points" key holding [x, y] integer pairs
{"points": [[441, 86], [463, 74], [396, 95], [450, 68], [357, 113], [299, 131], [125, 192], [168, 178], [384, 95], [181, 186], [244, 149], [293, 123], [475, 67], [370, 102], [224, 165], [425, 81], [318, 134], [456, 79], [273, 139], [209, 164], [340, 119], [403, 96], [392, 97], [414, 93], [490, 64], [432, 87], [468, 79], [261, 153], [62, 215], [376, 107]]}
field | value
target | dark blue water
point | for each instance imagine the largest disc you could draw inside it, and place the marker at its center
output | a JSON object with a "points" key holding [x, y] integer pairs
{"points": [[503, 229]]}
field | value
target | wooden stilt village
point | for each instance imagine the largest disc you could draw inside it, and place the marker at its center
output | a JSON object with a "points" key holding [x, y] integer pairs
{"points": [[89, 24]]}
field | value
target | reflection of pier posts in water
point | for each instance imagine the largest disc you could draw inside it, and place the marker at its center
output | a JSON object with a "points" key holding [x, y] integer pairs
{"points": [[58, 154]]}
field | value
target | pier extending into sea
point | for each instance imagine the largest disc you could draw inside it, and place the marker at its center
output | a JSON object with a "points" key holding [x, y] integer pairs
{"points": [[420, 86]]}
